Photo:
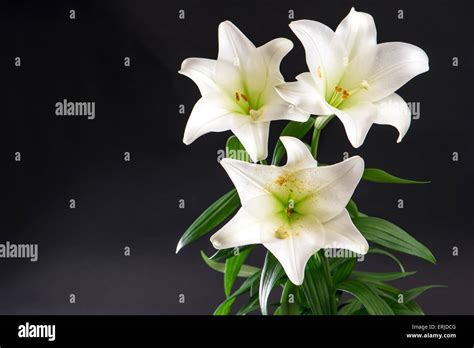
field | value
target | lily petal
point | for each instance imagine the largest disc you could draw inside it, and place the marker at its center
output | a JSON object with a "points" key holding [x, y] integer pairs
{"points": [[357, 121], [329, 188], [202, 72], [242, 229], [253, 136], [234, 46], [273, 52], [385, 69], [305, 95], [210, 114], [281, 111], [294, 251], [394, 111], [299, 157], [342, 234], [357, 32], [324, 53], [251, 180]]}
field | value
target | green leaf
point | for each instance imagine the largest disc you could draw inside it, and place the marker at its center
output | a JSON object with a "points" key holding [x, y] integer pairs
{"points": [[385, 290], [350, 307], [271, 274], [225, 307], [210, 218], [352, 209], [344, 270], [244, 272], [294, 129], [410, 308], [317, 286], [224, 254], [251, 305], [380, 176], [381, 277], [232, 268], [386, 234], [411, 294], [386, 253], [367, 295], [287, 307], [235, 149]]}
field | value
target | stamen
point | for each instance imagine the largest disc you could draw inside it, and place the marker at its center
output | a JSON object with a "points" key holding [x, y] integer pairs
{"points": [[320, 73], [237, 96], [365, 85]]}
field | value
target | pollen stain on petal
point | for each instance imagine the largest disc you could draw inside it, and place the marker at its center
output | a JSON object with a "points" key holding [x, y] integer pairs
{"points": [[281, 180], [281, 233]]}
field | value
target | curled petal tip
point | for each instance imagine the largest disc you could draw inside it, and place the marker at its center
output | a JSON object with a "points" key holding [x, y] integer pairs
{"points": [[215, 242]]}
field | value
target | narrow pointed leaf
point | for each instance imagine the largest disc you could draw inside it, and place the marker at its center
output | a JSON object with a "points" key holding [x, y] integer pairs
{"points": [[381, 277], [245, 271], [232, 268], [293, 129], [226, 306], [388, 254], [349, 307], [411, 294], [386, 234], [271, 274], [381, 176], [210, 218], [250, 306], [352, 209], [224, 254], [367, 295], [410, 308], [344, 270], [317, 286], [288, 300]]}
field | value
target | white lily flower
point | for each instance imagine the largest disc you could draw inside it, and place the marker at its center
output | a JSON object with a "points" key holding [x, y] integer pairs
{"points": [[238, 90], [353, 77], [293, 210]]}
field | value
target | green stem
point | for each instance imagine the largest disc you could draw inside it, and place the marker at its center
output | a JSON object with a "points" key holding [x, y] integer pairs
{"points": [[315, 142], [319, 124]]}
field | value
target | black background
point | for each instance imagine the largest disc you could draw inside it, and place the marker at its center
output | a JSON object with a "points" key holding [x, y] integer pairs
{"points": [[136, 203]]}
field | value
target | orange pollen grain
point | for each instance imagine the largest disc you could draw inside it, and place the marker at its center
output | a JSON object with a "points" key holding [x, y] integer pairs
{"points": [[281, 180]]}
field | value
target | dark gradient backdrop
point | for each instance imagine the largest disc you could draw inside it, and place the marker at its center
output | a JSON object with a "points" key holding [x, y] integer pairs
{"points": [[136, 203]]}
